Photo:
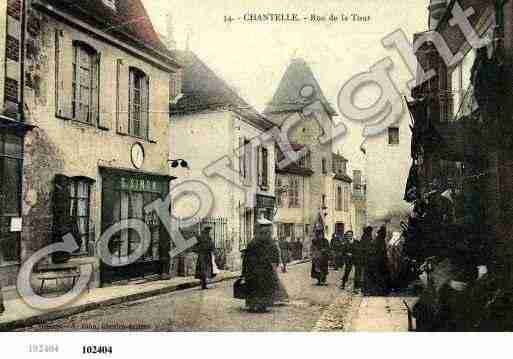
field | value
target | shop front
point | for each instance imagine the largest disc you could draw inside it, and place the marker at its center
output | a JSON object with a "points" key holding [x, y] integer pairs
{"points": [[126, 195]]}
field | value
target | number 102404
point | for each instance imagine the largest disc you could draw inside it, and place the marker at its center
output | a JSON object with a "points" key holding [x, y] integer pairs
{"points": [[93, 349]]}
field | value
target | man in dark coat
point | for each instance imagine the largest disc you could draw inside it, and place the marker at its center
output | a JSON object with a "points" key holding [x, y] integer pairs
{"points": [[204, 266], [320, 256], [362, 253], [284, 254], [260, 261], [337, 249], [347, 257]]}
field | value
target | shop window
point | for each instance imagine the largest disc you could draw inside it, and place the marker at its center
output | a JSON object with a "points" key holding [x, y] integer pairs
{"points": [[139, 103], [11, 155], [72, 200], [84, 99], [393, 135], [80, 193]]}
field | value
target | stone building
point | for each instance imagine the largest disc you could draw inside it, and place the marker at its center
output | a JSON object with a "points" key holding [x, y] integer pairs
{"points": [[326, 185], [97, 93], [211, 122]]}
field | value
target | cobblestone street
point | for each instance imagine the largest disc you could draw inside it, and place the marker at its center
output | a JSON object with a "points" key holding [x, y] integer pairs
{"points": [[310, 308]]}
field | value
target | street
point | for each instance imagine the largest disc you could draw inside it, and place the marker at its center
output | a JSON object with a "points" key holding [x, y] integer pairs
{"points": [[311, 308]]}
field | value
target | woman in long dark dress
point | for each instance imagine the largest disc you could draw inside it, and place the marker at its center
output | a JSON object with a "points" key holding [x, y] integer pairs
{"points": [[320, 256], [204, 265], [261, 259], [377, 265]]}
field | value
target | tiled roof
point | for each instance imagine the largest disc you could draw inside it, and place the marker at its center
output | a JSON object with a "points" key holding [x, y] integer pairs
{"points": [[129, 22], [203, 89], [298, 88]]}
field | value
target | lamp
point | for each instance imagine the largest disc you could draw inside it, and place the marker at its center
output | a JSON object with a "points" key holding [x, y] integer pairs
{"points": [[179, 162]]}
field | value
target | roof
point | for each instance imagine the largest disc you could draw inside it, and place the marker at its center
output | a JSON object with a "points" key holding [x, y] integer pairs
{"points": [[203, 89], [290, 96], [343, 177], [336, 156], [129, 22]]}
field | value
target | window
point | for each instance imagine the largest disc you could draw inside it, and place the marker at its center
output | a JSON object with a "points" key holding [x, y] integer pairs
{"points": [[339, 198], [304, 162], [323, 165], [323, 200], [139, 85], [71, 201], [79, 195], [294, 193], [248, 228], [393, 135], [245, 158], [263, 167], [286, 230], [11, 154], [345, 200], [279, 192], [357, 179], [84, 101]]}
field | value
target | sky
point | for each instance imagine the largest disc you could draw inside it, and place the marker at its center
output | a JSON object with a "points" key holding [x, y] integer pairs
{"points": [[252, 57]]}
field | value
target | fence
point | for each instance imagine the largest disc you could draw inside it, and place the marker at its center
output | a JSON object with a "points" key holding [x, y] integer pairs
{"points": [[219, 231]]}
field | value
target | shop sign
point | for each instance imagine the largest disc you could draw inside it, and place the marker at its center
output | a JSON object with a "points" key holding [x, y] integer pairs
{"points": [[139, 185]]}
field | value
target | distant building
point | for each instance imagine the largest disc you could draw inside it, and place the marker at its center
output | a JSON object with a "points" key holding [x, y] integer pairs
{"points": [[387, 163], [322, 173]]}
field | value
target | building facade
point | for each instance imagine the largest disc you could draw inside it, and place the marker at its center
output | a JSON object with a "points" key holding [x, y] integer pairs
{"points": [[210, 122], [98, 98]]}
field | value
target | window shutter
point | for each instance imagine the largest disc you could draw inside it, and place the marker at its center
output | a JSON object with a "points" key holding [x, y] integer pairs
{"points": [[95, 81], [106, 85], [122, 88], [145, 112], [259, 165], [241, 156], [63, 74], [265, 167], [62, 221]]}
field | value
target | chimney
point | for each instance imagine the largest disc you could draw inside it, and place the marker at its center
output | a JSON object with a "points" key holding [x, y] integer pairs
{"points": [[170, 38], [437, 9]]}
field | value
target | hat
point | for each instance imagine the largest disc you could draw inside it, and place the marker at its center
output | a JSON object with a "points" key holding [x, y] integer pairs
{"points": [[262, 221]]}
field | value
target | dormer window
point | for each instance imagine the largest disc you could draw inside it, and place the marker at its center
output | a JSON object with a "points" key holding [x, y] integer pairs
{"points": [[110, 3]]}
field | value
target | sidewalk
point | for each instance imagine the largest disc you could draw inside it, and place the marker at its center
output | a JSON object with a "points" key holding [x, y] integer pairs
{"points": [[379, 314], [18, 314]]}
